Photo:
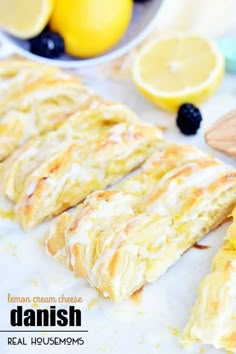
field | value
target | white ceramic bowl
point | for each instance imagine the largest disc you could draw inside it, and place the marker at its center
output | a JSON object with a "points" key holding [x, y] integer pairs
{"points": [[144, 18]]}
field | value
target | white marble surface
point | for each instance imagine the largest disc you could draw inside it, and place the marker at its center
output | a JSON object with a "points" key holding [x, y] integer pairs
{"points": [[151, 326]]}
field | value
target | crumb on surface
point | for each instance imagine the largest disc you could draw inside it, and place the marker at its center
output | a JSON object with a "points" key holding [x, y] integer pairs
{"points": [[34, 282], [10, 249], [7, 214], [93, 303], [41, 241], [35, 305], [174, 331]]}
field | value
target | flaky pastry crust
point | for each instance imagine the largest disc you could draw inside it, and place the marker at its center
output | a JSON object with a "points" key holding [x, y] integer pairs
{"points": [[121, 239], [213, 318], [91, 150]]}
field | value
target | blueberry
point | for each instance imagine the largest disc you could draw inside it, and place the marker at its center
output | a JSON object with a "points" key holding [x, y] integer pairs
{"points": [[188, 119], [47, 44]]}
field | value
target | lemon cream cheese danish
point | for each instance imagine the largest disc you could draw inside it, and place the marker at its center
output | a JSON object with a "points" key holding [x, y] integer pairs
{"points": [[213, 318], [41, 106], [121, 239], [89, 151]]}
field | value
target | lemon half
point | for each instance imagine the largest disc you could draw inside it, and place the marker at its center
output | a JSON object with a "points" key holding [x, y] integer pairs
{"points": [[178, 68], [25, 19]]}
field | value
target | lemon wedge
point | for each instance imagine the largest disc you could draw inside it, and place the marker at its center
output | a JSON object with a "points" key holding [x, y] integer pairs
{"points": [[25, 19], [178, 68]]}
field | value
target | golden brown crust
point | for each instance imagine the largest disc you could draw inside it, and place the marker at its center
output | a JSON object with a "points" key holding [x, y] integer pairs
{"points": [[39, 107], [121, 239], [91, 150], [56, 243], [16, 74]]}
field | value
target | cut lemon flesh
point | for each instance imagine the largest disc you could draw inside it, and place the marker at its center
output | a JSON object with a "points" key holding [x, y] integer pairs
{"points": [[25, 19], [176, 69]]}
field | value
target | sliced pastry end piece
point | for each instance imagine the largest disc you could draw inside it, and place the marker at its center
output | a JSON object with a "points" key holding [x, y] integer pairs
{"points": [[213, 318]]}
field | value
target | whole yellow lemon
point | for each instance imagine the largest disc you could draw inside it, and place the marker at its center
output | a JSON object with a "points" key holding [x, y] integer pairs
{"points": [[91, 27]]}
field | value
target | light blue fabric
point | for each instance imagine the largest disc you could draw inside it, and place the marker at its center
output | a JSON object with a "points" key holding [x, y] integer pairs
{"points": [[228, 49]]}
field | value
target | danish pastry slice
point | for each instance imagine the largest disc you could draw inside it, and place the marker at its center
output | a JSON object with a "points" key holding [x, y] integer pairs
{"points": [[213, 318], [168, 156], [121, 240], [80, 128], [15, 74], [39, 107], [45, 182]]}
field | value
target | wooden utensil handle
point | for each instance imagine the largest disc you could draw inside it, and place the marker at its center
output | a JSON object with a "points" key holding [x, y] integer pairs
{"points": [[222, 134]]}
